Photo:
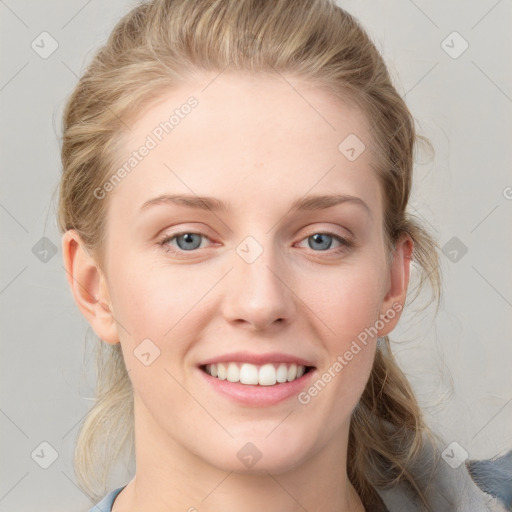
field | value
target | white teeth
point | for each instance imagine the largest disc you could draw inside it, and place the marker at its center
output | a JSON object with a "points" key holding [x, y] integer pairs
{"points": [[233, 373], [292, 372], [282, 373], [246, 373], [267, 375], [221, 371]]}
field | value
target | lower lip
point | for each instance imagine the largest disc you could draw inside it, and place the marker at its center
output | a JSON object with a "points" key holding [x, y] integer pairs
{"points": [[256, 395]]}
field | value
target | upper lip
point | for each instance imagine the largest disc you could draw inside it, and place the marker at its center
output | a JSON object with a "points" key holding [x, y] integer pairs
{"points": [[258, 359]]}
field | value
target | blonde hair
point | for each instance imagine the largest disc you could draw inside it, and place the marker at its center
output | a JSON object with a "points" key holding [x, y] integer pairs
{"points": [[160, 44]]}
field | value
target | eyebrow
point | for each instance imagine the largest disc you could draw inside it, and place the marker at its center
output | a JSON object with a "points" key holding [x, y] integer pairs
{"points": [[307, 203]]}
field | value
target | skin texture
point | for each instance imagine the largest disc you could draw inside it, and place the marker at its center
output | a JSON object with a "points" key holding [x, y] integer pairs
{"points": [[258, 144]]}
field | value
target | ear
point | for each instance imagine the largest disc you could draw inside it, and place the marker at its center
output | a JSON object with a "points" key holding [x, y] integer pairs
{"points": [[89, 287], [397, 284]]}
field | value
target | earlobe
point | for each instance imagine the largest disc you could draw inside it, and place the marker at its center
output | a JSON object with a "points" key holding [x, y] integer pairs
{"points": [[89, 287], [394, 300]]}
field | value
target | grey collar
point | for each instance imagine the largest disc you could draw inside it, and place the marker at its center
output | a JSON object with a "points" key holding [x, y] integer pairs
{"points": [[472, 486]]}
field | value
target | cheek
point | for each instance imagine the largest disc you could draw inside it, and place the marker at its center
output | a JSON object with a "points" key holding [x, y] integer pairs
{"points": [[348, 305], [348, 301], [348, 312], [151, 300], [162, 304], [153, 308]]}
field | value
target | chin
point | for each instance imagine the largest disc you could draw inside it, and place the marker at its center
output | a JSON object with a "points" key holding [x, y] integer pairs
{"points": [[259, 455]]}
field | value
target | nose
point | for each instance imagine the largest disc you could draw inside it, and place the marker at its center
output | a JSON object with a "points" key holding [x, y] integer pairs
{"points": [[257, 293]]}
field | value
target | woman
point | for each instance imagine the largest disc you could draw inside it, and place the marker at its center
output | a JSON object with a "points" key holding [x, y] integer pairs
{"points": [[233, 209]]}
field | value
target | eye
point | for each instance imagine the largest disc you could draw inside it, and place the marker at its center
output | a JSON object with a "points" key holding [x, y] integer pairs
{"points": [[323, 242], [186, 241]]}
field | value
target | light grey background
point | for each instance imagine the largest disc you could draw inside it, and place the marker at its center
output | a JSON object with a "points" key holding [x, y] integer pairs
{"points": [[458, 362]]}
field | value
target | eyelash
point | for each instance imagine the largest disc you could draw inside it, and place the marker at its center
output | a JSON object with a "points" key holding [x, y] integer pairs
{"points": [[346, 243]]}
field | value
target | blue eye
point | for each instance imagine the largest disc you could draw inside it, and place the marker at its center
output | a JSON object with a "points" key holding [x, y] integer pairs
{"points": [[323, 239], [189, 242], [185, 241], [323, 242]]}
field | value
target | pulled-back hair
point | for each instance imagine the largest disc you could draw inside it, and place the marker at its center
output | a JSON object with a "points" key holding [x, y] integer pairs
{"points": [[163, 43]]}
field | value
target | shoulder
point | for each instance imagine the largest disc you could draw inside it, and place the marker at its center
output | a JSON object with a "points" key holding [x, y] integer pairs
{"points": [[494, 477], [475, 485], [105, 505]]}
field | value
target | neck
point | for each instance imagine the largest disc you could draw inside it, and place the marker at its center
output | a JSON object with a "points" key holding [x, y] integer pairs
{"points": [[176, 480]]}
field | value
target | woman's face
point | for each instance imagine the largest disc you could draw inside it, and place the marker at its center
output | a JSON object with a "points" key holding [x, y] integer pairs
{"points": [[255, 281]]}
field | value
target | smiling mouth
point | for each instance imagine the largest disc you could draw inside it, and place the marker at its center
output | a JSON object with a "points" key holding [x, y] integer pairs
{"points": [[270, 374]]}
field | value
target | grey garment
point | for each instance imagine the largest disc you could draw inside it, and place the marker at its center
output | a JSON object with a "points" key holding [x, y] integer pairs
{"points": [[105, 505], [494, 477], [475, 486]]}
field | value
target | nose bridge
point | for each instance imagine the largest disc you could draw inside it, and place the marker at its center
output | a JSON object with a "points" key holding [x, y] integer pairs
{"points": [[257, 290]]}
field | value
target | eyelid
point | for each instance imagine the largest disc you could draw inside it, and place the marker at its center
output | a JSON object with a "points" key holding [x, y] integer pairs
{"points": [[348, 238], [171, 233]]}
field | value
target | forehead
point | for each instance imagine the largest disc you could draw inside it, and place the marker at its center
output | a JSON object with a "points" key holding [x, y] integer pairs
{"points": [[242, 137]]}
